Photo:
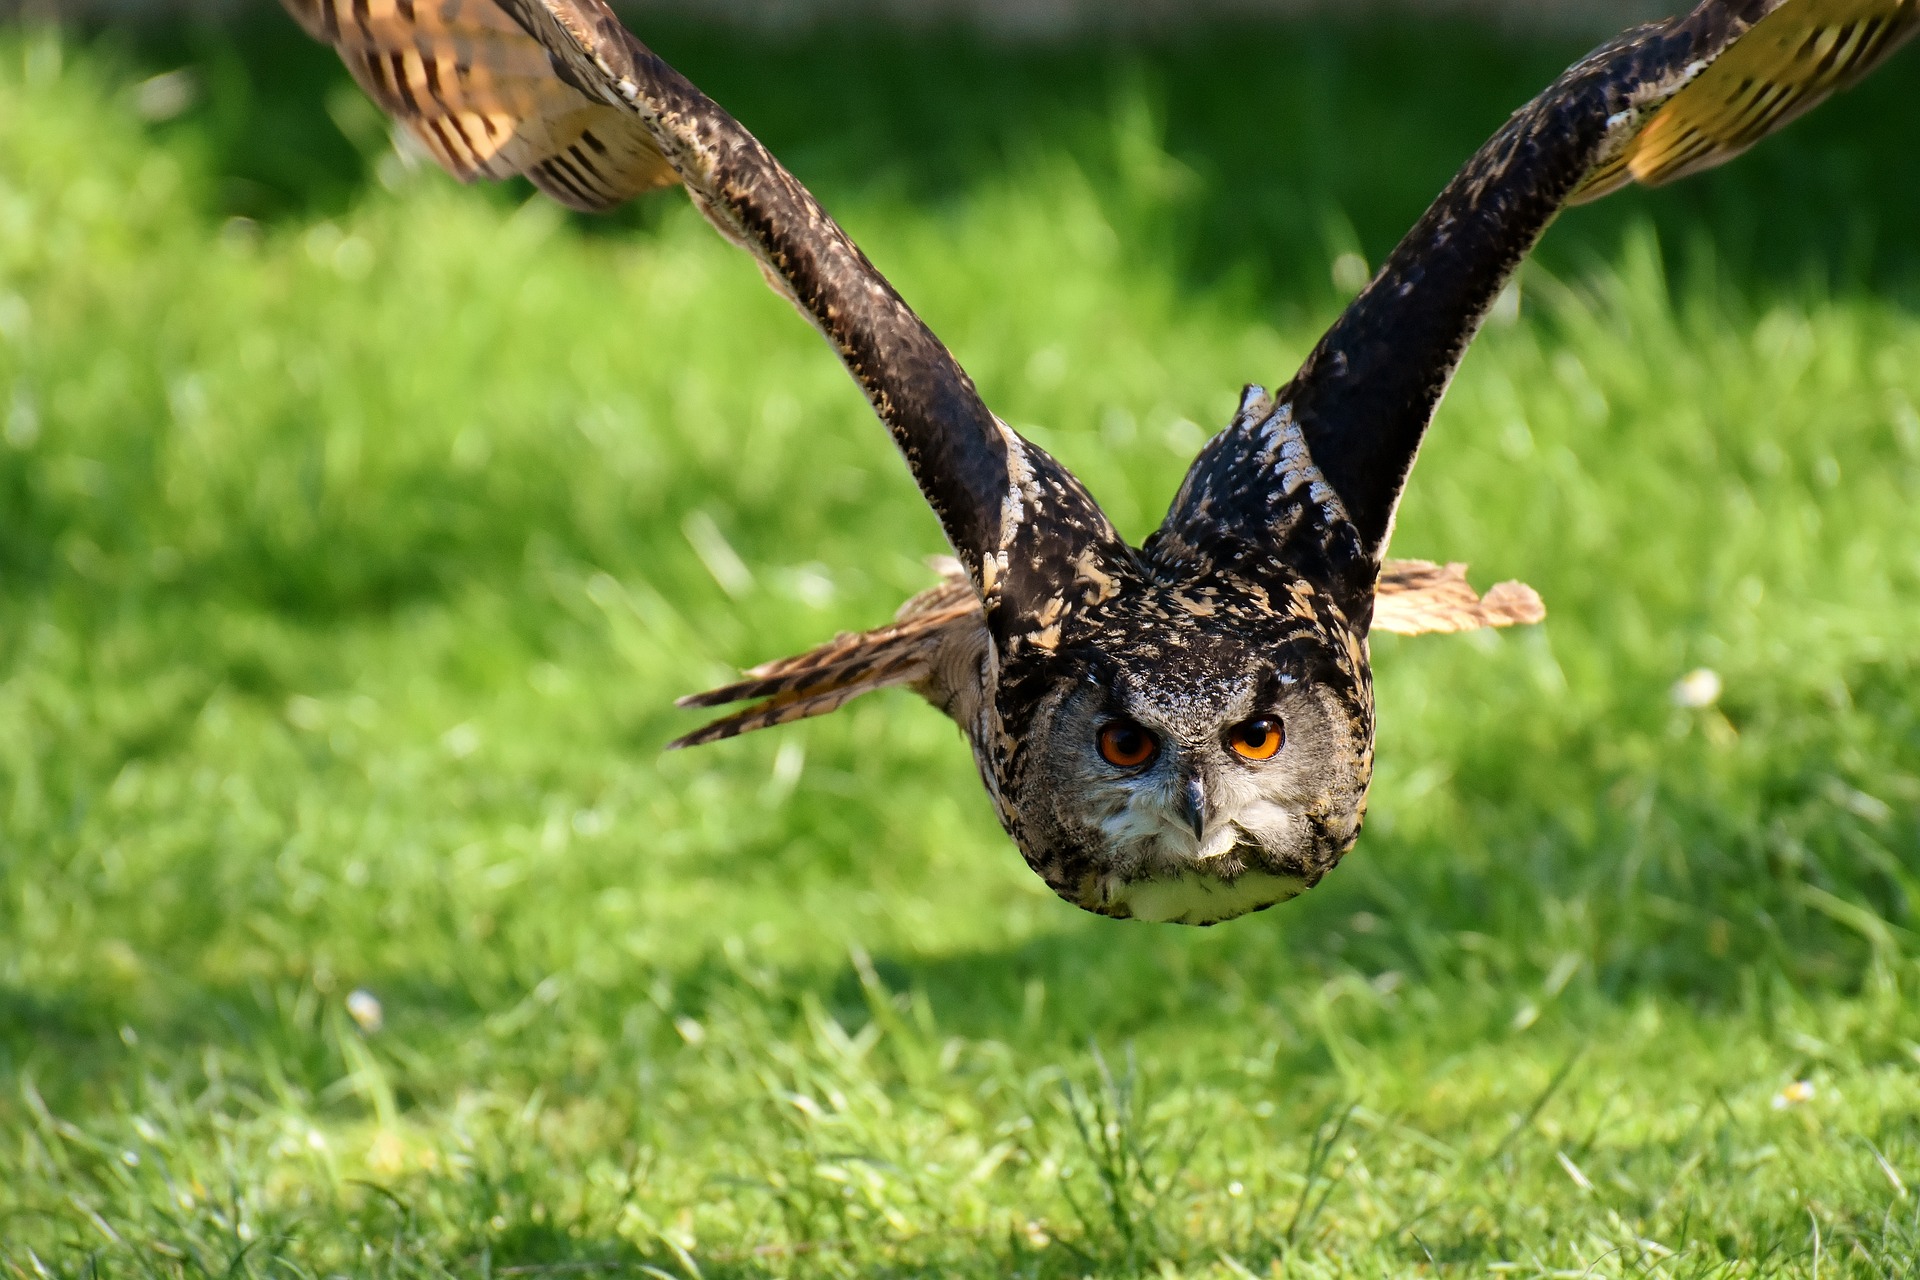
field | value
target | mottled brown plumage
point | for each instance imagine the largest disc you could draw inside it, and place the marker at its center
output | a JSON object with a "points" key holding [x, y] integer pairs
{"points": [[1183, 730]]}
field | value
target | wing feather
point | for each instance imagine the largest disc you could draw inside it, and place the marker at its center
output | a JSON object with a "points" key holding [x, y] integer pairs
{"points": [[1656, 104], [1789, 63], [560, 91], [908, 651], [1016, 518], [480, 95], [1416, 598]]}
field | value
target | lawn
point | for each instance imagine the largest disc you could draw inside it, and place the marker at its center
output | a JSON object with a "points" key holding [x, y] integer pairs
{"points": [[357, 531]]}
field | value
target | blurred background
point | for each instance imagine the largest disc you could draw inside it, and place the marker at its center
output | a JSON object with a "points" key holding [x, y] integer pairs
{"points": [[1019, 17], [357, 531]]}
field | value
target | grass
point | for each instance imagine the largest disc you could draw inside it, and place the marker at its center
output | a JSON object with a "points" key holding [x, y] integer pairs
{"points": [[351, 553]]}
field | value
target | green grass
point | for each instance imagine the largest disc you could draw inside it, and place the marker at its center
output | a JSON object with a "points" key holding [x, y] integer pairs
{"points": [[345, 588]]}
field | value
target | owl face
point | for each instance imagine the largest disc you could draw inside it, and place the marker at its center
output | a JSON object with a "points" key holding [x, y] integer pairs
{"points": [[1196, 783]]}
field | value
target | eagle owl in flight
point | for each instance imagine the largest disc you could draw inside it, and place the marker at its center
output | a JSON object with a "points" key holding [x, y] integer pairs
{"points": [[1180, 731]]}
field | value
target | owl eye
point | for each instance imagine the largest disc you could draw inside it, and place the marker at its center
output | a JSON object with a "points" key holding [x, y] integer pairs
{"points": [[1125, 745], [1257, 739]]}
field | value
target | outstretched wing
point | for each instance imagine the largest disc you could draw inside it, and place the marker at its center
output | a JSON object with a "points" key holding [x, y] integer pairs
{"points": [[1659, 102], [560, 91]]}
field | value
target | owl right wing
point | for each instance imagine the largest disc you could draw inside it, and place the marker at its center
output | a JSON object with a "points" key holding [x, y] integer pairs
{"points": [[559, 91], [1660, 102]]}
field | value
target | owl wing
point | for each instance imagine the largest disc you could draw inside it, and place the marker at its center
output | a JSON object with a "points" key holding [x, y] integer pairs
{"points": [[481, 96], [1787, 64], [559, 91], [1657, 103]]}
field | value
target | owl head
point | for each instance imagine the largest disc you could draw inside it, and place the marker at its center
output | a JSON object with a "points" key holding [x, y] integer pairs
{"points": [[1196, 754]]}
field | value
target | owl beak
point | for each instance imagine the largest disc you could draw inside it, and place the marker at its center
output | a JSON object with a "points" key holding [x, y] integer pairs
{"points": [[1193, 807]]}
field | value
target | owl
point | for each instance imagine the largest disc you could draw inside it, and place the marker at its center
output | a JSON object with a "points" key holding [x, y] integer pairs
{"points": [[1180, 731]]}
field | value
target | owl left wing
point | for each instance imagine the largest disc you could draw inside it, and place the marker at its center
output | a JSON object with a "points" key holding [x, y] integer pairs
{"points": [[1659, 102], [559, 90], [480, 95]]}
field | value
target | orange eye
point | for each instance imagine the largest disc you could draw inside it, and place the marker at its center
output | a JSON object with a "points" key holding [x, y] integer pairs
{"points": [[1257, 739], [1125, 745]]}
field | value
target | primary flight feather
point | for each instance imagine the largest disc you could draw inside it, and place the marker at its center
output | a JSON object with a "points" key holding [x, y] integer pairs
{"points": [[1181, 731]]}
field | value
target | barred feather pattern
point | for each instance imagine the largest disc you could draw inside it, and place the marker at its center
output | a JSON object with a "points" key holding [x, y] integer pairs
{"points": [[909, 651], [1790, 62], [1417, 598], [480, 95]]}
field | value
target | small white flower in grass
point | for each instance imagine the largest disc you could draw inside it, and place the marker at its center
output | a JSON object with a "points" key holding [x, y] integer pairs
{"points": [[1698, 689], [1800, 1091], [364, 1008], [1236, 1189], [1037, 1235]]}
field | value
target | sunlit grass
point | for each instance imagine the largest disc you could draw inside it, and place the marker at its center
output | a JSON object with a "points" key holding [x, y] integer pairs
{"points": [[346, 584]]}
